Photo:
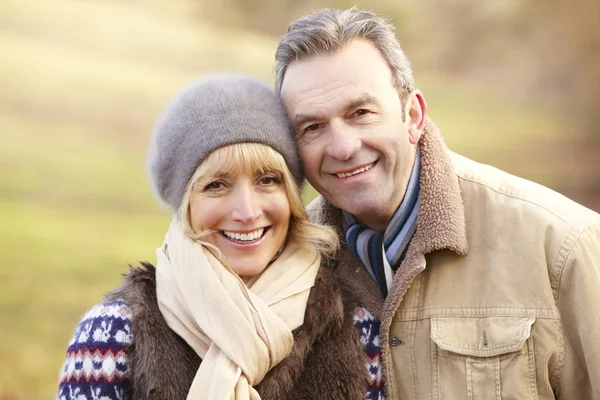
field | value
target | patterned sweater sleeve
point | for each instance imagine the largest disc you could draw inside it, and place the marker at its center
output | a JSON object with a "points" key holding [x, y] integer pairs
{"points": [[96, 365]]}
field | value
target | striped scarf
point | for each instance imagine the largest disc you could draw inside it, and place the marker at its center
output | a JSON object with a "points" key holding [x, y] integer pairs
{"points": [[370, 245]]}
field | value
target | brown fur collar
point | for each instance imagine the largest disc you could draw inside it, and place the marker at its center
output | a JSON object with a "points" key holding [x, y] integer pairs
{"points": [[440, 225], [327, 360]]}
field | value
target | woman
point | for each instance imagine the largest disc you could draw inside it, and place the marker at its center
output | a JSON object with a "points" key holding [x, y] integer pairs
{"points": [[237, 306]]}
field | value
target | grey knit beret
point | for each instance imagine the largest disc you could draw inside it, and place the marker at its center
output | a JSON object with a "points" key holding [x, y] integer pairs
{"points": [[213, 113]]}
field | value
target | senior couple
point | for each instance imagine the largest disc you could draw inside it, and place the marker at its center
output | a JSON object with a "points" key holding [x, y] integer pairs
{"points": [[416, 274]]}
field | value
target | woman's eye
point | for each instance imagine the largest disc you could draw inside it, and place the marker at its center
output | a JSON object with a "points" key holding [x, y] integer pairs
{"points": [[270, 180], [214, 185]]}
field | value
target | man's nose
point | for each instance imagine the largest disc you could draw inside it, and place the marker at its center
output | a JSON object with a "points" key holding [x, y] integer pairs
{"points": [[343, 143], [246, 205]]}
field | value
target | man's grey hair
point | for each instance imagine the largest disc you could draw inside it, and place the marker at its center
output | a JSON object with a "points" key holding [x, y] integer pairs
{"points": [[329, 30]]}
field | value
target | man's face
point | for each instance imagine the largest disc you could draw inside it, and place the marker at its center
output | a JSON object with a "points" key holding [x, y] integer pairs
{"points": [[357, 151]]}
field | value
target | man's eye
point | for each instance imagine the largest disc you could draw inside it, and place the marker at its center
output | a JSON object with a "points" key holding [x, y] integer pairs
{"points": [[360, 112], [312, 128]]}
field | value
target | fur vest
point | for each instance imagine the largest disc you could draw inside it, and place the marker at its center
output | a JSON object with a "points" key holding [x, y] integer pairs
{"points": [[327, 360]]}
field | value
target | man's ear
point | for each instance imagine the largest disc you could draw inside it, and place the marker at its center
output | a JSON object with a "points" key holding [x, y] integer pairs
{"points": [[417, 110]]}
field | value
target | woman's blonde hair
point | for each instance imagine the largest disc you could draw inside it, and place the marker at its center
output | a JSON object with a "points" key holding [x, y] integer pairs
{"points": [[240, 158]]}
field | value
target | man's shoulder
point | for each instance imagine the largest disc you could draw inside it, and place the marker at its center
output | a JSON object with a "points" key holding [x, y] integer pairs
{"points": [[505, 192], [321, 211], [315, 208]]}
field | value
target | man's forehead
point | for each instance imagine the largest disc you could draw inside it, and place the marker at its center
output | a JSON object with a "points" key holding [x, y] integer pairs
{"points": [[317, 89], [327, 75], [318, 100], [317, 92], [300, 77]]}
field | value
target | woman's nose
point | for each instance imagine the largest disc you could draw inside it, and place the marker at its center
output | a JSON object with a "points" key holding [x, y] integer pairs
{"points": [[246, 205]]}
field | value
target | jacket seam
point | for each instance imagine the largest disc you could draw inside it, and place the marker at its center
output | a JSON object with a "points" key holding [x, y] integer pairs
{"points": [[554, 376], [532, 364], [560, 263], [413, 333]]}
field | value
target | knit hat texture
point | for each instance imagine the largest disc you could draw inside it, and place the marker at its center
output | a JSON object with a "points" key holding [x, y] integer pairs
{"points": [[209, 114]]}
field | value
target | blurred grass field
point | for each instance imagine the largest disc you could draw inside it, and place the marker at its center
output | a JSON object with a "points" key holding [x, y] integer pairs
{"points": [[82, 84]]}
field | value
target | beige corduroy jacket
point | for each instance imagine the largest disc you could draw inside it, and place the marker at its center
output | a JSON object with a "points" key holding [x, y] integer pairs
{"points": [[499, 294]]}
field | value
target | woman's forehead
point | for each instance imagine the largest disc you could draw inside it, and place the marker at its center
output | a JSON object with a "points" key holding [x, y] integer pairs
{"points": [[246, 159]]}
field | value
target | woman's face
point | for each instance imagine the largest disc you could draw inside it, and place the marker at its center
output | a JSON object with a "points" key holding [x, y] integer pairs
{"points": [[250, 215]]}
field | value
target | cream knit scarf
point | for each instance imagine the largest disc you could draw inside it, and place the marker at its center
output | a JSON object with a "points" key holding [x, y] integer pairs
{"points": [[239, 331]]}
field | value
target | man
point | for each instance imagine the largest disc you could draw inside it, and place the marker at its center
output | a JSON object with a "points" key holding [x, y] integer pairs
{"points": [[483, 285]]}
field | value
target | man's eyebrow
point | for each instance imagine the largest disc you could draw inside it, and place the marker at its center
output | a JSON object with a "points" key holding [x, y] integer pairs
{"points": [[302, 119], [362, 100]]}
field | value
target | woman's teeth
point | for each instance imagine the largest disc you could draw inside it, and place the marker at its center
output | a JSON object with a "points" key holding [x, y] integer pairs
{"points": [[245, 237], [358, 171]]}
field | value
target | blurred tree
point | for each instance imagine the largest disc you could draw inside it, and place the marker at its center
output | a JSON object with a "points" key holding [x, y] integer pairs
{"points": [[545, 50], [567, 43], [273, 17]]}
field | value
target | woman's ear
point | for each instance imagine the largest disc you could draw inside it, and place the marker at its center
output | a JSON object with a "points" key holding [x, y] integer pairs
{"points": [[417, 110]]}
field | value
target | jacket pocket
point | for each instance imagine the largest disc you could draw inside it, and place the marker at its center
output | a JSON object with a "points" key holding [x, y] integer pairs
{"points": [[483, 358]]}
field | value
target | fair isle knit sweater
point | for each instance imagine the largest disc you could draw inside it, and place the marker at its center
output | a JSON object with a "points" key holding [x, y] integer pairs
{"points": [[96, 366]]}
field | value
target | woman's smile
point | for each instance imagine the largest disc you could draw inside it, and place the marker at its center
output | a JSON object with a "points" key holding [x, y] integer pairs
{"points": [[245, 237]]}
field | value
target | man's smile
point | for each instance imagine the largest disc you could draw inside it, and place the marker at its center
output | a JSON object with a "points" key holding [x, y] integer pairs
{"points": [[355, 171]]}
